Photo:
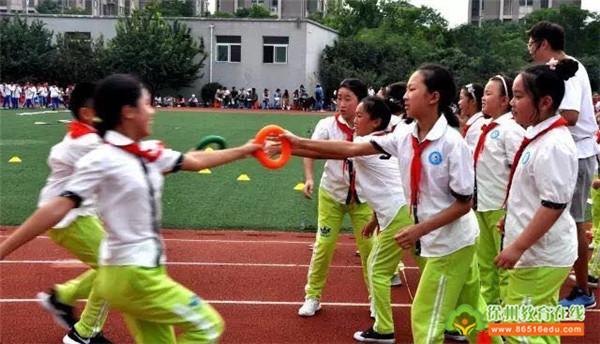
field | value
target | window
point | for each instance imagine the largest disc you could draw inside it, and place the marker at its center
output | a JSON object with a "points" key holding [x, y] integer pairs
{"points": [[229, 49], [78, 36], [275, 49], [544, 4]]}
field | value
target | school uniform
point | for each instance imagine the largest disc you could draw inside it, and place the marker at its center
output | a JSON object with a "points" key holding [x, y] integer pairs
{"points": [[545, 176], [494, 154], [378, 180], [472, 129], [450, 276], [80, 231], [132, 276], [337, 196]]}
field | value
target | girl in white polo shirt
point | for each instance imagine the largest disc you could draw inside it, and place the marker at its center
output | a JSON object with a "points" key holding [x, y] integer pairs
{"points": [[378, 180], [337, 196], [493, 155], [469, 104], [126, 174], [540, 242], [436, 168]]}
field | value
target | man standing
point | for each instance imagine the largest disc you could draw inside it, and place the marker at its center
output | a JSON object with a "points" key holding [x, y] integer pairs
{"points": [[546, 45]]}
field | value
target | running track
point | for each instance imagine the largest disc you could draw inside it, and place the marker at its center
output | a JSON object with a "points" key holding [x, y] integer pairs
{"points": [[254, 279]]}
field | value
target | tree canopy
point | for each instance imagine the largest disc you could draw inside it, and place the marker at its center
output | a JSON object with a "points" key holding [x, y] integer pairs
{"points": [[389, 39]]}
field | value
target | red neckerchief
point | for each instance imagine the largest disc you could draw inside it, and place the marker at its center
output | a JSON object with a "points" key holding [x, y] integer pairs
{"points": [[416, 168], [485, 129], [349, 133], [559, 123], [465, 129], [149, 154], [78, 129], [598, 136]]}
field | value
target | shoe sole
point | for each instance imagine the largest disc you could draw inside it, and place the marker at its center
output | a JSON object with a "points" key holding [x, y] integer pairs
{"points": [[45, 303], [593, 305], [67, 340], [357, 337]]}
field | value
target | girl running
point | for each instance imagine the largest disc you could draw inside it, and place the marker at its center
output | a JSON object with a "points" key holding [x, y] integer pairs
{"points": [[126, 174], [540, 242]]}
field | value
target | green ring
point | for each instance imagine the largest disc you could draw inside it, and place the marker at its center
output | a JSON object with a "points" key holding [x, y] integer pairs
{"points": [[212, 139]]}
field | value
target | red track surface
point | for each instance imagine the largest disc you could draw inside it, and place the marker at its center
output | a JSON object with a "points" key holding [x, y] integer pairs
{"points": [[255, 280]]}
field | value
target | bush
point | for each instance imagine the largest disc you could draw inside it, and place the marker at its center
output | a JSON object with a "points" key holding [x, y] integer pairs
{"points": [[207, 93]]}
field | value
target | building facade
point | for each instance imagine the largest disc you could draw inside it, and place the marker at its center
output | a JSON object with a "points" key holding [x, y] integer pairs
{"points": [[279, 8], [510, 10], [259, 53]]}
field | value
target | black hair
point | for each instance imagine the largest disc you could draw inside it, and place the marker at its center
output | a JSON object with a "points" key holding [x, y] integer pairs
{"points": [[552, 32], [503, 79], [439, 79], [81, 96], [394, 99], [356, 86], [377, 109], [544, 80], [475, 90], [112, 93]]}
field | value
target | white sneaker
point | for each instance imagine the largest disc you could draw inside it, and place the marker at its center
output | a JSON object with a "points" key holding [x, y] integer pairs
{"points": [[396, 281], [309, 308]]}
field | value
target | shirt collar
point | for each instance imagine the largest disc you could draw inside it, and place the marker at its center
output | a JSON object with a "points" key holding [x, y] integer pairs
{"points": [[474, 118], [438, 129], [117, 139], [504, 118], [536, 129]]}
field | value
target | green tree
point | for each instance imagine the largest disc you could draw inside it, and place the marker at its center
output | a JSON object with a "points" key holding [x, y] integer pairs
{"points": [[78, 59], [162, 54], [49, 7], [258, 11], [172, 8], [26, 50]]}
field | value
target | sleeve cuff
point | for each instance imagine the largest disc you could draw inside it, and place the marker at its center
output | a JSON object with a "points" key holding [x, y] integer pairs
{"points": [[178, 164], [461, 198], [553, 205], [73, 197]]}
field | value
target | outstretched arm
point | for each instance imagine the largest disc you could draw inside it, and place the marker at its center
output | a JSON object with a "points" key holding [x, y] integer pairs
{"points": [[198, 160], [40, 221]]}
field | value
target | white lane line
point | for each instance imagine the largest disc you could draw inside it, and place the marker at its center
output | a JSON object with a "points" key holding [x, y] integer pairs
{"points": [[248, 302], [233, 241], [271, 265], [268, 303]]}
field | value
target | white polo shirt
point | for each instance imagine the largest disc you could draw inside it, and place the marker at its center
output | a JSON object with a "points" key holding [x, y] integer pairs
{"points": [[578, 97], [378, 181], [124, 200], [547, 171], [493, 165], [61, 161], [447, 168], [335, 179], [475, 123]]}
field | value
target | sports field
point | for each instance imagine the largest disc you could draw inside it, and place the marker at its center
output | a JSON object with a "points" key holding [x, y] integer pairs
{"points": [[190, 200]]}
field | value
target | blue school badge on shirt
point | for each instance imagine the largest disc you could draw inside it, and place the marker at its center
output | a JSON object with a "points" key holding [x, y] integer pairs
{"points": [[435, 158], [495, 134], [525, 158]]}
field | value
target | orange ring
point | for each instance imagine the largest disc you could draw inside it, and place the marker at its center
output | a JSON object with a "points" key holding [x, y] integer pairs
{"points": [[286, 147]]}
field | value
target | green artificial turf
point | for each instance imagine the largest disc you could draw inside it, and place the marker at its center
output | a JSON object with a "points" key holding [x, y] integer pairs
{"points": [[190, 200]]}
